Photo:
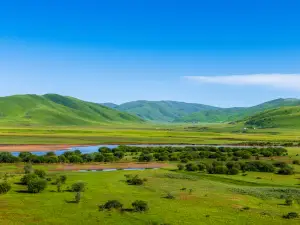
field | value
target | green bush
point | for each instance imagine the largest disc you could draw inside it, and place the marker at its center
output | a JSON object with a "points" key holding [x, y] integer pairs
{"points": [[286, 170], [259, 166], [36, 185], [134, 180], [111, 204], [233, 171], [40, 173], [28, 168], [296, 162], [28, 177], [4, 187], [201, 166], [191, 167], [140, 206], [289, 201], [180, 166], [79, 186], [77, 197], [291, 215]]}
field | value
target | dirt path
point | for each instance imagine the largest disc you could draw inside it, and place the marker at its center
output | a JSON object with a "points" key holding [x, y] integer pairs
{"points": [[35, 148]]}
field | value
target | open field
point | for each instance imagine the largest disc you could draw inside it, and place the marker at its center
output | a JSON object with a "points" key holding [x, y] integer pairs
{"points": [[212, 201], [142, 134]]}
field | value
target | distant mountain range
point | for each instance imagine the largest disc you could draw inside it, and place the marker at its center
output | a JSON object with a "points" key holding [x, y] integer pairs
{"points": [[181, 112], [53, 109]]}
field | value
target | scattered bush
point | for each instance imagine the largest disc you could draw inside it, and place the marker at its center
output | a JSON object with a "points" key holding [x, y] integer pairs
{"points": [[28, 177], [280, 164], [169, 196], [77, 197], [289, 202], [286, 170], [111, 204], [259, 166], [28, 168], [36, 185], [134, 180], [40, 173], [201, 166], [291, 215], [180, 166], [296, 162], [233, 171], [140, 206], [4, 187], [191, 167], [79, 186]]}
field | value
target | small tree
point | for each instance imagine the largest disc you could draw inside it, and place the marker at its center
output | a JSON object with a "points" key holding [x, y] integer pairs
{"points": [[180, 166], [4, 187], [291, 215], [79, 186], [58, 186], [40, 173], [140, 206], [37, 185], [28, 168], [28, 177], [111, 204], [77, 197], [289, 201]]}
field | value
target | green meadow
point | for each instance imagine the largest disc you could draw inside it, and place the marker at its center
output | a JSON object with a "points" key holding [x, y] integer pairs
{"points": [[214, 199], [145, 133]]}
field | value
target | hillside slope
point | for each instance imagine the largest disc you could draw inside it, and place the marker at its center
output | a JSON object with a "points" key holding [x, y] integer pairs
{"points": [[233, 114], [288, 117], [52, 109], [161, 111]]}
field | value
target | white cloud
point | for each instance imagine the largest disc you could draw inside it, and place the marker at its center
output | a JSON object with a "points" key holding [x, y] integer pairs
{"points": [[287, 81]]}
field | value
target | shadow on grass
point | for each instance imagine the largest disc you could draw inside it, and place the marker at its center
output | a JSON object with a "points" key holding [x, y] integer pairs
{"points": [[19, 183], [71, 201], [127, 210], [23, 191]]}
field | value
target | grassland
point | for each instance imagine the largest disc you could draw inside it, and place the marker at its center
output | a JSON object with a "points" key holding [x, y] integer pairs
{"points": [[213, 200], [144, 133]]}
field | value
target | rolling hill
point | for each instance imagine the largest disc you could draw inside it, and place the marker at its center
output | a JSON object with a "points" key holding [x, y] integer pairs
{"points": [[283, 117], [53, 109], [160, 111], [233, 114]]}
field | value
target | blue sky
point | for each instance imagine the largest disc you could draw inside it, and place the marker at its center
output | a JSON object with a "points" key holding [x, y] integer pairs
{"points": [[224, 53]]}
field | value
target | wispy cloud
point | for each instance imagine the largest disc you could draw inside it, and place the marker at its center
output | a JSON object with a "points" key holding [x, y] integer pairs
{"points": [[287, 81]]}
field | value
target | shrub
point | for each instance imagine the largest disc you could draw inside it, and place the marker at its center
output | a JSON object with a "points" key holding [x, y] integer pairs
{"points": [[289, 201], [191, 167], [184, 160], [291, 215], [40, 173], [37, 185], [286, 170], [140, 206], [134, 180], [28, 168], [259, 166], [77, 197], [79, 186], [233, 171], [28, 177], [201, 166], [280, 164], [111, 204], [221, 170], [296, 162], [170, 196], [4, 187], [180, 167], [63, 179]]}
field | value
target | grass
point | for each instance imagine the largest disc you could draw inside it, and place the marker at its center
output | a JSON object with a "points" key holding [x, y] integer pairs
{"points": [[143, 133], [211, 202]]}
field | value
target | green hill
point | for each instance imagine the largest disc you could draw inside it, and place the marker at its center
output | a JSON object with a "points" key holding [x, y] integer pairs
{"points": [[288, 117], [233, 114], [161, 111], [53, 109]]}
